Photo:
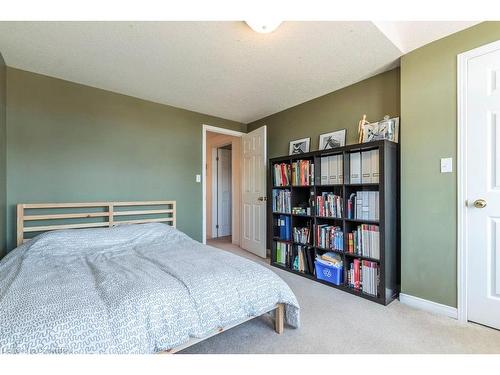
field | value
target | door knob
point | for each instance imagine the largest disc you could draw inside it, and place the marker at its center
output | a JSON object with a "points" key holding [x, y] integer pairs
{"points": [[262, 199], [480, 203]]}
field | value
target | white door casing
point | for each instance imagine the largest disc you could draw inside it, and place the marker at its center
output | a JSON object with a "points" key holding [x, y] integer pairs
{"points": [[223, 192], [479, 183], [253, 213]]}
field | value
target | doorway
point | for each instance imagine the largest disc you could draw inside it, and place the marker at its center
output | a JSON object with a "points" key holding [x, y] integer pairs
{"points": [[221, 192], [479, 185], [221, 184]]}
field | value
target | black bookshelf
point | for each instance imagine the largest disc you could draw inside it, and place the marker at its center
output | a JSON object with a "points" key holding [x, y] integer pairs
{"points": [[389, 216]]}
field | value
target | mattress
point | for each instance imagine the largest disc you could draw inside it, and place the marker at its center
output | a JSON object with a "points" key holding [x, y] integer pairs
{"points": [[132, 289]]}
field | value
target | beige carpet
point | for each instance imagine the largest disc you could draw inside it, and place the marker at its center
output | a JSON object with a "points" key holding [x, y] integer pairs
{"points": [[337, 322]]}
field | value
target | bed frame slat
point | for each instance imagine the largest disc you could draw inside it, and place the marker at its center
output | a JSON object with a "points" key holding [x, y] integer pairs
{"points": [[166, 215]]}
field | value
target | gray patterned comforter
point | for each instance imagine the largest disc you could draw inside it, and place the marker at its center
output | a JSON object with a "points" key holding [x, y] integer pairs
{"points": [[128, 289]]}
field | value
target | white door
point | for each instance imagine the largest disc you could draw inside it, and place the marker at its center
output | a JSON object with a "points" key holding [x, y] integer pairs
{"points": [[482, 161], [253, 186], [224, 192]]}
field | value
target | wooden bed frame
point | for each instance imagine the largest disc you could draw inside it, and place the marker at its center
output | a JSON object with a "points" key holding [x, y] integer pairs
{"points": [[109, 214]]}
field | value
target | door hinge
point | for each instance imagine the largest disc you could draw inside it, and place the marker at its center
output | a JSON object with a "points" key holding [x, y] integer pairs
{"points": [[217, 158], [216, 226]]}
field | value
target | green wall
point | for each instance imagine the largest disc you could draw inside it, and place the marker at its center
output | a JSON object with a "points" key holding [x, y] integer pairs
{"points": [[3, 155], [342, 109], [428, 207], [69, 142]]}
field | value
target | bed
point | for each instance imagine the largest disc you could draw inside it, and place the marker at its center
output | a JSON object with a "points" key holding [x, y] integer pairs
{"points": [[122, 279]]}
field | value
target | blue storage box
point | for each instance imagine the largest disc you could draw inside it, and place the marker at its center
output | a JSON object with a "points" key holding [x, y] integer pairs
{"points": [[329, 273]]}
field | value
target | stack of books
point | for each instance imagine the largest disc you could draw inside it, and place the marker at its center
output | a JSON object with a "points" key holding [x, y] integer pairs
{"points": [[301, 211], [283, 253], [363, 275], [363, 205], [301, 235], [365, 241], [330, 237], [329, 205], [302, 173], [304, 259], [281, 201], [281, 174]]}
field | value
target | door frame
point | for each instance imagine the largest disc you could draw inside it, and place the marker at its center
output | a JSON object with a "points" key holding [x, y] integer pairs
{"points": [[462, 246], [213, 129]]}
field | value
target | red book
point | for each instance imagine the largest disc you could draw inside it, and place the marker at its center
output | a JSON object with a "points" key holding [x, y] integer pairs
{"points": [[356, 274]]}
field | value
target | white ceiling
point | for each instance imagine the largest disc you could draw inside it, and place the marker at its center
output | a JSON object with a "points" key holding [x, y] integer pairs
{"points": [[219, 68]]}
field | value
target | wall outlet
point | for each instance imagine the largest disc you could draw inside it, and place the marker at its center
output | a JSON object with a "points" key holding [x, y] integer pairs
{"points": [[446, 165], [198, 178]]}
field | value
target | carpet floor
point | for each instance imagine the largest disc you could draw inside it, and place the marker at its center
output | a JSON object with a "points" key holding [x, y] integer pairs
{"points": [[333, 321]]}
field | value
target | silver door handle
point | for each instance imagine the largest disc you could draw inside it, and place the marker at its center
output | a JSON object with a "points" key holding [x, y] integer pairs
{"points": [[262, 199]]}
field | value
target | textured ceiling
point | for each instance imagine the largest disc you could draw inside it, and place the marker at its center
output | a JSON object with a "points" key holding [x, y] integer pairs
{"points": [[219, 68]]}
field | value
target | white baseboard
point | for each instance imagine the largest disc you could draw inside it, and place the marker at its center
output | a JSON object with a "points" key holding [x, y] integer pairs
{"points": [[433, 307]]}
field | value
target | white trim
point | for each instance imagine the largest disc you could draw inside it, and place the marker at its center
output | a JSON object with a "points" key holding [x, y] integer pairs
{"points": [[433, 307], [204, 130], [462, 62]]}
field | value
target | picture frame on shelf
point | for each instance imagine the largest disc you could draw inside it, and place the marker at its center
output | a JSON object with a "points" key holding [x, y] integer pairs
{"points": [[332, 140], [299, 146], [386, 129]]}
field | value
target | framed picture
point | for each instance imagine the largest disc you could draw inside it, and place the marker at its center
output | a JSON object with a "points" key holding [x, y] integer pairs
{"points": [[299, 146], [387, 129], [332, 140]]}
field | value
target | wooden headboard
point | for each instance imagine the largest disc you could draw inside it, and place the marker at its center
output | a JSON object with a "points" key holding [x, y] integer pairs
{"points": [[90, 215]]}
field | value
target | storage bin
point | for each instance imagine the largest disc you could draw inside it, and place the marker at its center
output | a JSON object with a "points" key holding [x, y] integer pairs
{"points": [[329, 273]]}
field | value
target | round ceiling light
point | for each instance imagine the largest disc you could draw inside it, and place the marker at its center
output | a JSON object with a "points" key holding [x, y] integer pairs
{"points": [[263, 27]]}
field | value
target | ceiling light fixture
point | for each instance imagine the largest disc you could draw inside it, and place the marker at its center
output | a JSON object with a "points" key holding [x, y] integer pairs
{"points": [[263, 27]]}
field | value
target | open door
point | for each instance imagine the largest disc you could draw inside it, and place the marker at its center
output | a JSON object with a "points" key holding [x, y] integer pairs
{"points": [[253, 216]]}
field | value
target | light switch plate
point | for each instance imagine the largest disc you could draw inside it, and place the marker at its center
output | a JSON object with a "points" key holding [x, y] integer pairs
{"points": [[198, 178], [446, 165]]}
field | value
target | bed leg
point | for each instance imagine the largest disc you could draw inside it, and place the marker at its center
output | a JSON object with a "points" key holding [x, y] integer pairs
{"points": [[279, 319]]}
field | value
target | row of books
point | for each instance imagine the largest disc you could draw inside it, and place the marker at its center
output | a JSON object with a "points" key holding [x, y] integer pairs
{"points": [[364, 167], [283, 253], [283, 223], [302, 235], [364, 205], [329, 237], [302, 173], [281, 174], [281, 200], [363, 275], [332, 170], [365, 241], [329, 204], [303, 259]]}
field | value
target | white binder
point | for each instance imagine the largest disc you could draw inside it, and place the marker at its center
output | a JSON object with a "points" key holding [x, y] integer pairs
{"points": [[366, 167], [375, 166], [332, 163], [324, 171], [355, 166], [340, 169]]}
